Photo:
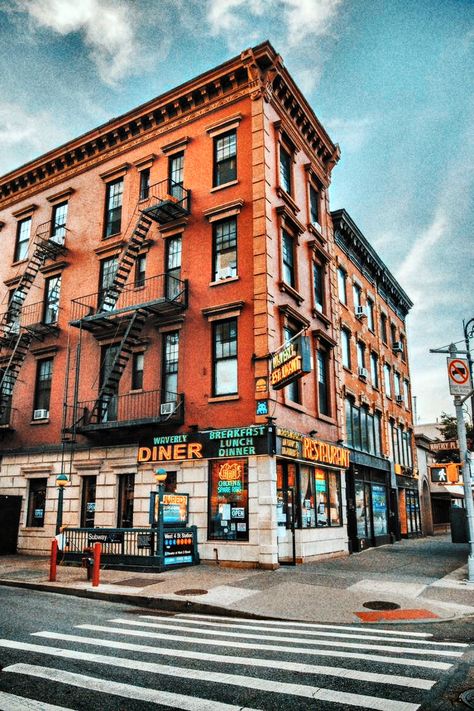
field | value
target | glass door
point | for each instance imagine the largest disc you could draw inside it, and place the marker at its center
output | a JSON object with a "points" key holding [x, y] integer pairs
{"points": [[286, 498]]}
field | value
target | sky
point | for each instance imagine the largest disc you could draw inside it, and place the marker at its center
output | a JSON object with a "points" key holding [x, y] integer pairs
{"points": [[391, 81]]}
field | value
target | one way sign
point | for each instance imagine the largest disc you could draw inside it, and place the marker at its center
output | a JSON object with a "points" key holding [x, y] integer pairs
{"points": [[459, 378]]}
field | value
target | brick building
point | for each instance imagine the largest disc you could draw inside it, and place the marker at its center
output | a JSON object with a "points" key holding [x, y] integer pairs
{"points": [[151, 268], [382, 484]]}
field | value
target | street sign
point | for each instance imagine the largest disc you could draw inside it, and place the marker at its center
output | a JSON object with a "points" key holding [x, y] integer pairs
{"points": [[458, 374], [444, 446]]}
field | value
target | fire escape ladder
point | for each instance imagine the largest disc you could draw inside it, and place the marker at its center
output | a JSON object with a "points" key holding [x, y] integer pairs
{"points": [[10, 373], [110, 385], [127, 260]]}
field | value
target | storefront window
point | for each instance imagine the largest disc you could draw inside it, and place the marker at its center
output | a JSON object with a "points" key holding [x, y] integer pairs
{"points": [[361, 512], [322, 507], [228, 500], [335, 508], [379, 508], [308, 514]]}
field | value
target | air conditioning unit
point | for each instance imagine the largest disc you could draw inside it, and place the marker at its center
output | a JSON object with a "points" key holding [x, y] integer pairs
{"points": [[400, 399], [40, 414], [167, 408], [361, 311], [224, 273], [363, 373], [397, 347]]}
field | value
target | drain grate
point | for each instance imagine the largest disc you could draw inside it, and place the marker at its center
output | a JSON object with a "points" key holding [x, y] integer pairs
{"points": [[467, 697], [137, 582], [192, 591], [381, 605]]}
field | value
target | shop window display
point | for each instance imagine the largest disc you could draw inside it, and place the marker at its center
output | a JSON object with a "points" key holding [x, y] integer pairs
{"points": [[320, 498], [228, 500]]}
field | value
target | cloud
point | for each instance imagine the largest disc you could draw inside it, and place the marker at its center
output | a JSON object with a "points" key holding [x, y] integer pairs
{"points": [[309, 17], [106, 26], [352, 134]]}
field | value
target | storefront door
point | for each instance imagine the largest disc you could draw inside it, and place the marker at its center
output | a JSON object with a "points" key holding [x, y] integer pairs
{"points": [[286, 497]]}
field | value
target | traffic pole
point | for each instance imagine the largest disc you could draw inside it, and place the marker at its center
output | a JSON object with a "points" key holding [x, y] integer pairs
{"points": [[96, 565], [466, 472], [53, 561]]}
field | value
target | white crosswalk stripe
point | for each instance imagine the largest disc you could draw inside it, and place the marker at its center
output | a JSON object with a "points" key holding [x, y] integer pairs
{"points": [[210, 666]]}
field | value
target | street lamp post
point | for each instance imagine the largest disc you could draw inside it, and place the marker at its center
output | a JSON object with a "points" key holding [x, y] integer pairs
{"points": [[62, 480], [160, 478], [468, 334]]}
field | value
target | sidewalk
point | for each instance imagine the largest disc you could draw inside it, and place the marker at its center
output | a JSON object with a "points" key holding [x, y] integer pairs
{"points": [[424, 577]]}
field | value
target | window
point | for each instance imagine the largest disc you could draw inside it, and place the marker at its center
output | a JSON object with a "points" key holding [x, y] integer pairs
{"points": [[15, 303], [170, 358], [318, 286], [225, 357], [320, 498], [108, 269], [51, 300], [44, 372], [406, 394], [109, 405], [348, 416], [228, 500], [113, 208], [356, 294], [346, 347], [377, 433], [138, 361], [374, 369], [383, 328], [225, 249], [285, 170], [314, 205], [140, 270], [386, 375], [173, 267], [370, 315], [22, 239], [175, 175], [288, 252], [144, 184], [36, 503], [171, 482], [393, 333], [323, 383], [126, 486], [398, 385], [88, 501], [362, 428], [293, 390], [360, 354], [402, 341], [341, 285], [58, 223], [225, 158]]}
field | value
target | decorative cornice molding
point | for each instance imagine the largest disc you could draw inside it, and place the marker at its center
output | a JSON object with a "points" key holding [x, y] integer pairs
{"points": [[220, 212], [61, 196]]}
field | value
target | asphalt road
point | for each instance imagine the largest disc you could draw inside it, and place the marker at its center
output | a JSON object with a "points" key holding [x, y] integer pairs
{"points": [[74, 653]]}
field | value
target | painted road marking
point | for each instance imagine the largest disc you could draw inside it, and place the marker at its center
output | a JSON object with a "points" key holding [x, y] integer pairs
{"points": [[306, 625], [255, 683], [427, 663], [165, 698], [296, 640], [11, 702], [374, 636], [357, 674]]}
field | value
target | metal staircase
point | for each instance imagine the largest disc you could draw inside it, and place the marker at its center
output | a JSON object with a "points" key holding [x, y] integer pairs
{"points": [[109, 387], [10, 374]]}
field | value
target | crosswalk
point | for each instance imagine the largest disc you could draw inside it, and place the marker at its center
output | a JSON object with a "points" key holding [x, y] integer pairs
{"points": [[207, 663]]}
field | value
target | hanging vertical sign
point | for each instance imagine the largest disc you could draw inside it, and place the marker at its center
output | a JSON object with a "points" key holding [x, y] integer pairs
{"points": [[290, 362]]}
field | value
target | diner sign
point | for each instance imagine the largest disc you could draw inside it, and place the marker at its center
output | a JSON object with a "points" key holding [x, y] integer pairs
{"points": [[209, 444], [299, 446], [290, 362]]}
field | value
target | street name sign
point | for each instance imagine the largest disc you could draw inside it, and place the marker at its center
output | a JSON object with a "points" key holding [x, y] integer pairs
{"points": [[458, 375]]}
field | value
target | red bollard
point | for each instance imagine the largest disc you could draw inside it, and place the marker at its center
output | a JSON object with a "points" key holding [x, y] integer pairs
{"points": [[53, 561], [96, 565]]}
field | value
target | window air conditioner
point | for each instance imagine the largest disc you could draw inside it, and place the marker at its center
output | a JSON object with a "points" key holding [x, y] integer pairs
{"points": [[167, 408], [400, 399], [397, 347], [224, 273], [363, 373], [40, 414], [361, 312]]}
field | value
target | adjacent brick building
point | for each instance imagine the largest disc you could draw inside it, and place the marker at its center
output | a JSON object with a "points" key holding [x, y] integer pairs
{"points": [[154, 269]]}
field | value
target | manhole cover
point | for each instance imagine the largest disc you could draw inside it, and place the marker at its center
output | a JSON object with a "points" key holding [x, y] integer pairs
{"points": [[381, 605], [191, 591], [467, 697], [137, 582]]}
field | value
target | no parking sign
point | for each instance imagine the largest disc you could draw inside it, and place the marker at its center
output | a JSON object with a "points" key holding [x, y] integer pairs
{"points": [[459, 377]]}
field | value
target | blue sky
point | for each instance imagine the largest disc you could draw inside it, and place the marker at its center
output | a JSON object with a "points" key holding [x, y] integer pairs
{"points": [[390, 80]]}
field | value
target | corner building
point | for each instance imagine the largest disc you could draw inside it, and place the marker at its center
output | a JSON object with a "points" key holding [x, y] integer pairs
{"points": [[382, 480], [151, 268]]}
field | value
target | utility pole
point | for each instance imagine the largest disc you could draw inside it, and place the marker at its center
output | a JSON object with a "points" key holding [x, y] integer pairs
{"points": [[468, 328], [463, 451]]}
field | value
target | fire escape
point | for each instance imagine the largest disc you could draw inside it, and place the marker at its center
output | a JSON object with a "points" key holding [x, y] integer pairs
{"points": [[20, 325], [120, 311]]}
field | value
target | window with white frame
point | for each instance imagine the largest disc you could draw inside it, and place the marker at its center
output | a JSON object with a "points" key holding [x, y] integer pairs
{"points": [[225, 249], [225, 381]]}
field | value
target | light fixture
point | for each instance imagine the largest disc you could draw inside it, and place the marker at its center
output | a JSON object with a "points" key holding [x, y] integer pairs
{"points": [[62, 480], [160, 476]]}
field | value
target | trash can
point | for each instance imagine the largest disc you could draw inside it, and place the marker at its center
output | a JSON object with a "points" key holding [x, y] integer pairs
{"points": [[458, 519]]}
